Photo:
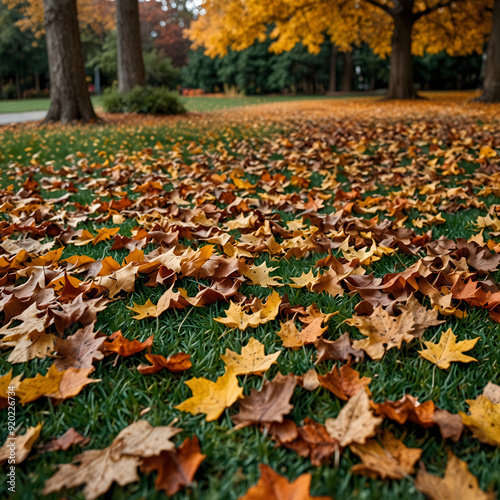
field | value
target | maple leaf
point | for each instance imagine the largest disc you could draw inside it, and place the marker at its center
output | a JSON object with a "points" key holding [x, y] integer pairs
{"points": [[34, 345], [169, 299], [338, 350], [210, 397], [344, 383], [176, 469], [98, 469], [355, 422], [23, 444], [175, 363], [448, 350], [483, 419], [64, 442], [79, 350], [252, 359], [388, 459], [124, 347], [272, 486], [269, 404], [294, 339], [313, 441], [259, 275], [458, 482], [236, 317]]}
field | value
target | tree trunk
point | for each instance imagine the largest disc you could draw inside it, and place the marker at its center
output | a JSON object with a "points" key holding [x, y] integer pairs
{"points": [[332, 81], [401, 67], [491, 88], [131, 72], [69, 96], [18, 87], [346, 82]]}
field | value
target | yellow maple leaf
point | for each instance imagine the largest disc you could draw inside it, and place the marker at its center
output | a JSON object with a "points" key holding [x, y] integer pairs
{"points": [[251, 360], [210, 397], [448, 350], [483, 420], [259, 275], [236, 317], [148, 310]]}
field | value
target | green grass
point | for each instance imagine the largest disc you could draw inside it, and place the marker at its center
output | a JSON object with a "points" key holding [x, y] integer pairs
{"points": [[101, 410], [191, 103]]}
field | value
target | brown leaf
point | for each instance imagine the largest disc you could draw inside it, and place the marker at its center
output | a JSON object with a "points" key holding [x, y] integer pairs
{"points": [[388, 459], [175, 363], [338, 350], [345, 382], [19, 447], [176, 469], [80, 350], [68, 439], [124, 347], [457, 484], [269, 404]]}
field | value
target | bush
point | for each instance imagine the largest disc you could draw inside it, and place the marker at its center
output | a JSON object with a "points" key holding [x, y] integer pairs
{"points": [[148, 100]]}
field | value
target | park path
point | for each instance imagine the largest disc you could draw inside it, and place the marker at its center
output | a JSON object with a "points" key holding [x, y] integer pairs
{"points": [[27, 116]]}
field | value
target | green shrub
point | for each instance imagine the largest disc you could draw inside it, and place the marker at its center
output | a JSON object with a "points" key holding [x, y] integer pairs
{"points": [[148, 100]]}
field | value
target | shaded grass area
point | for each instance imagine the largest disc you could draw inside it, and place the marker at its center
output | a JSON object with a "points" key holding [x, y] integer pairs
{"points": [[231, 466]]}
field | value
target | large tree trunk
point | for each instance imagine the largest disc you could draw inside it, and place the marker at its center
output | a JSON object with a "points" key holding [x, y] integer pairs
{"points": [[491, 89], [332, 81], [346, 83], [131, 72], [401, 67], [69, 96]]}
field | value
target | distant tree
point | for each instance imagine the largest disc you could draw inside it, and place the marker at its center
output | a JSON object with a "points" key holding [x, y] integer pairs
{"points": [[395, 27], [131, 70]]}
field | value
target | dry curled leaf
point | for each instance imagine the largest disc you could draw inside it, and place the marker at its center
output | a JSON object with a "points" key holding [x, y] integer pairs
{"points": [[175, 363]]}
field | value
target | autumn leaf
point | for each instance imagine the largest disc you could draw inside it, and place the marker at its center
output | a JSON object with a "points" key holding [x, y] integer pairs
{"points": [[259, 275], [355, 422], [458, 482], [388, 459], [120, 345], [338, 350], [272, 486], [210, 397], [483, 419], [175, 469], [175, 363], [22, 444], [236, 317], [252, 359], [269, 404], [64, 442], [344, 383], [448, 350], [295, 339]]}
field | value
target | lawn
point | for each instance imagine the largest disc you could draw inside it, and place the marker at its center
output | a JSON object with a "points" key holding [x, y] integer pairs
{"points": [[191, 103], [369, 187]]}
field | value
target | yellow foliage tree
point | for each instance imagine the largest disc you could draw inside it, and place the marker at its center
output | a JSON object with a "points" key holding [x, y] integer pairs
{"points": [[396, 27]]}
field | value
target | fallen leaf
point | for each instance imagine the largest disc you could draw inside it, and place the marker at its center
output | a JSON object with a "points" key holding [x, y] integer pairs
{"points": [[22, 445], [124, 347], [252, 359], [483, 420], [175, 363], [68, 439], [210, 397], [448, 350], [344, 383], [338, 350]]}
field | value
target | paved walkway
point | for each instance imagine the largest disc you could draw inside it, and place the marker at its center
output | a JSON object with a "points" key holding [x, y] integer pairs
{"points": [[27, 116]]}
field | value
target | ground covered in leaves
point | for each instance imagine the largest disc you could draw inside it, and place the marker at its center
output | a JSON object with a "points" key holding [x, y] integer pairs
{"points": [[296, 298]]}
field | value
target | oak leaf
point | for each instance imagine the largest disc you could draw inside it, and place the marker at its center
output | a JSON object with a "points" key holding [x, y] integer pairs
{"points": [[355, 422], [252, 359], [210, 397], [448, 350], [457, 484]]}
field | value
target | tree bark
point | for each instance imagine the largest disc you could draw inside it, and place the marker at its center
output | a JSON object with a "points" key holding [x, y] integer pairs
{"points": [[491, 88], [131, 72], [332, 81], [401, 66], [346, 83], [69, 96]]}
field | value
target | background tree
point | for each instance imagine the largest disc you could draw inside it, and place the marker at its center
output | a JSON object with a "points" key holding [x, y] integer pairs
{"points": [[131, 70], [69, 96], [395, 27]]}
